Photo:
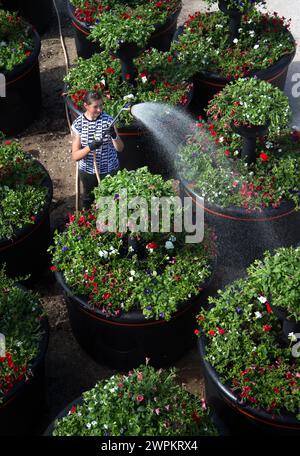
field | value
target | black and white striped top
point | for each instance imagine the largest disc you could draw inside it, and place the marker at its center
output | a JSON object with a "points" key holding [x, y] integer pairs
{"points": [[106, 155]]}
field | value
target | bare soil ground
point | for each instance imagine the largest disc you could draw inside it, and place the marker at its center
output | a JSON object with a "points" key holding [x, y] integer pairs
{"points": [[69, 371]]}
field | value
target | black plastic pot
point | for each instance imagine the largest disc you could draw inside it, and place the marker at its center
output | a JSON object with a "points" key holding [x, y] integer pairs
{"points": [[23, 98], [160, 39], [238, 418], [244, 235], [37, 12], [140, 149], [124, 342], [21, 407], [26, 253], [289, 325]]}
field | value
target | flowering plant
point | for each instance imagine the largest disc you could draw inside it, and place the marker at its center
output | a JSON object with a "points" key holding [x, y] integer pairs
{"points": [[250, 102], [243, 344], [112, 21], [153, 82], [279, 277], [22, 195], [145, 402], [210, 162], [16, 42], [244, 5], [20, 315], [204, 44], [100, 265]]}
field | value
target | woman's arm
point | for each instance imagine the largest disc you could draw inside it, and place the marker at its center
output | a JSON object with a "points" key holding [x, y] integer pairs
{"points": [[77, 151], [118, 143]]}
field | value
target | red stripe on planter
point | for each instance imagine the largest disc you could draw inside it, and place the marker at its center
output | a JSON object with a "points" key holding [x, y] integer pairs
{"points": [[242, 219], [80, 29]]}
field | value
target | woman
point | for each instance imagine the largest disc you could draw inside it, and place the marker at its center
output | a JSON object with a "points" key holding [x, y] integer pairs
{"points": [[88, 131]]}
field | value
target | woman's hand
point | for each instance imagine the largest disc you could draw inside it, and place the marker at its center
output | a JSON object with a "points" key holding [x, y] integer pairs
{"points": [[77, 151]]}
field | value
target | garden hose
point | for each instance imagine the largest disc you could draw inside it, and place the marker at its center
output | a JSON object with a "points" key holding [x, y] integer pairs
{"points": [[77, 187]]}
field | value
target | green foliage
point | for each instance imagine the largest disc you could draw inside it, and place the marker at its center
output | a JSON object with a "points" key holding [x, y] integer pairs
{"points": [[145, 402], [22, 195], [113, 22], [154, 82], [20, 315], [243, 337], [16, 42], [204, 44]]}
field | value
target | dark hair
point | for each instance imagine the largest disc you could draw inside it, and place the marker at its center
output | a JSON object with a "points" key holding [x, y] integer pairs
{"points": [[92, 96]]}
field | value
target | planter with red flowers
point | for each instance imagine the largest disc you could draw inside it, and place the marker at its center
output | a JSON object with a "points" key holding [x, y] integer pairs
{"points": [[154, 400], [220, 49], [252, 379], [26, 194], [157, 78], [131, 293], [23, 343], [109, 24], [250, 185], [37, 12], [20, 74]]}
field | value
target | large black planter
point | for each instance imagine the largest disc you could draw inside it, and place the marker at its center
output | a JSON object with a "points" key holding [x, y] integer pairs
{"points": [[160, 39], [26, 253], [140, 149], [237, 418], [23, 98], [244, 235], [124, 342], [21, 407], [37, 12]]}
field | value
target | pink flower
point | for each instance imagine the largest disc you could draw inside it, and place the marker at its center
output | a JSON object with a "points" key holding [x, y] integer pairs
{"points": [[157, 411], [140, 398]]}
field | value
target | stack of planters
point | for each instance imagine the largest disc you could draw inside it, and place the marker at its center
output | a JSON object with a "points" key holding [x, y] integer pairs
{"points": [[20, 82], [143, 403], [24, 338], [36, 12], [156, 77], [237, 41], [133, 24], [251, 365], [131, 294], [26, 193], [245, 163]]}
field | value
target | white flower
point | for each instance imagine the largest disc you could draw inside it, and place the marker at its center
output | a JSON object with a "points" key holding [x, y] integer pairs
{"points": [[132, 272], [292, 337], [88, 425], [130, 279], [103, 81], [130, 249], [251, 33], [221, 139], [103, 253], [169, 245], [154, 273], [235, 40], [94, 423], [258, 315], [262, 299], [256, 46], [128, 97], [172, 238], [2, 43], [144, 79]]}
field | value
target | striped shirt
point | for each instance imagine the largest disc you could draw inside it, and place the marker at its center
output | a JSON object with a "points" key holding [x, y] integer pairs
{"points": [[89, 131]]}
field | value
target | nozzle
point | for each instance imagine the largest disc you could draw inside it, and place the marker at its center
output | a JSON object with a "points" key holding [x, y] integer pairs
{"points": [[128, 106]]}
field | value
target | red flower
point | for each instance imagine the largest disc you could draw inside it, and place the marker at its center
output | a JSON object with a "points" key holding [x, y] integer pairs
{"points": [[109, 70], [221, 331], [169, 58], [269, 310], [200, 317], [195, 416], [106, 296], [196, 332], [27, 53], [212, 332], [33, 218], [227, 152], [7, 143], [53, 268], [140, 398], [128, 76], [264, 156], [73, 409], [152, 245], [267, 328], [276, 390]]}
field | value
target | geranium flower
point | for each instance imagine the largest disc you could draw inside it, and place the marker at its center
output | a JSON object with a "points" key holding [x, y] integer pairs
{"points": [[264, 156]]}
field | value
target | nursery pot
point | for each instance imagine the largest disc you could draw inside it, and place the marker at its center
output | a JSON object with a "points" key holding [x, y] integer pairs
{"points": [[26, 252], [140, 149], [22, 405], [37, 12], [244, 235], [21, 105], [160, 39], [125, 341], [238, 418], [249, 135]]}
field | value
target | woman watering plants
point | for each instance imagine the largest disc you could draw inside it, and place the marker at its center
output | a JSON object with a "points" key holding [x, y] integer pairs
{"points": [[89, 140]]}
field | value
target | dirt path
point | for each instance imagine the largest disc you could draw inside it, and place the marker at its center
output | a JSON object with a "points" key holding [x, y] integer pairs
{"points": [[69, 370]]}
